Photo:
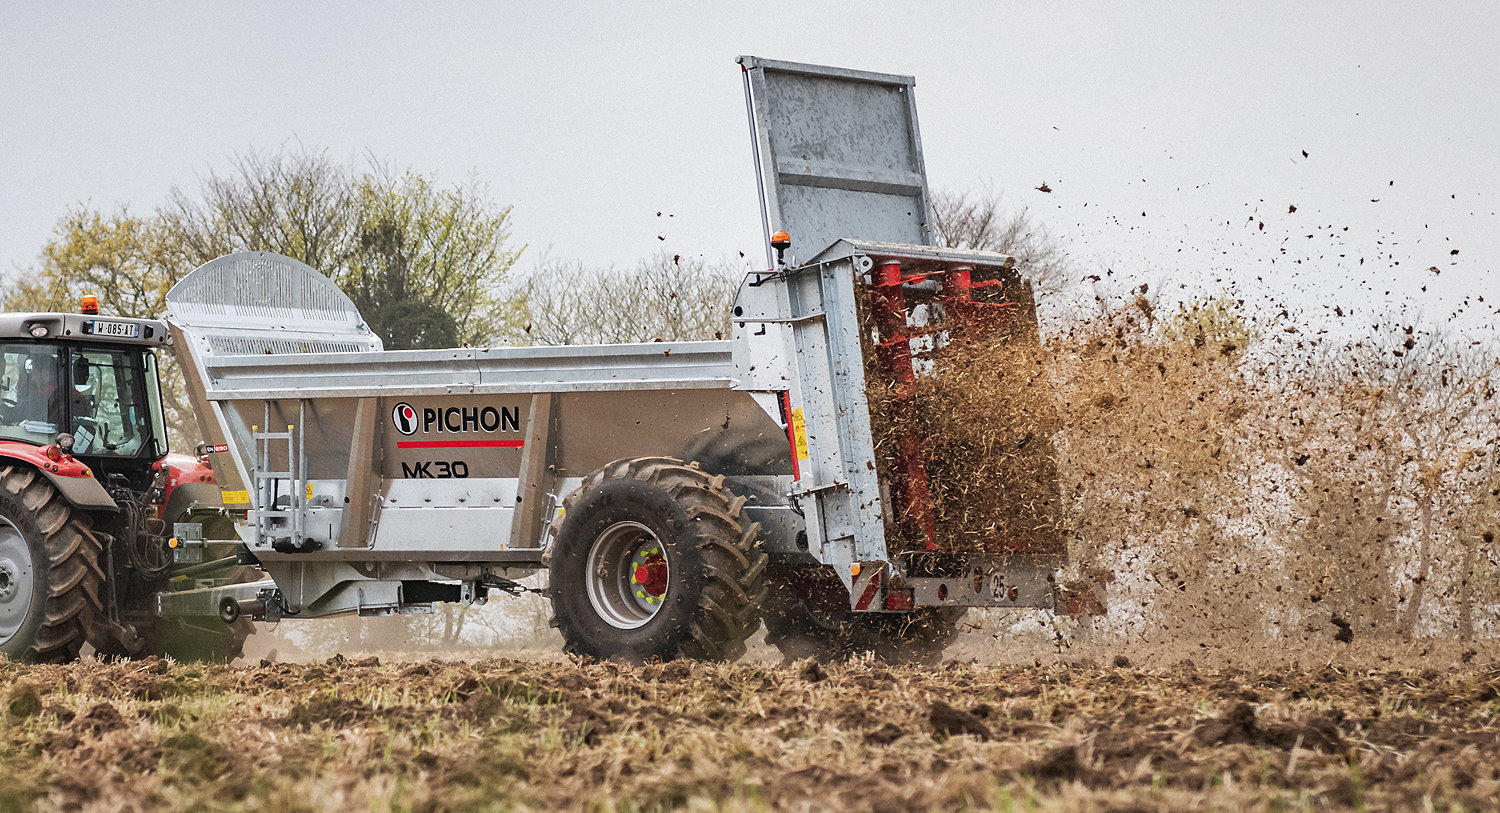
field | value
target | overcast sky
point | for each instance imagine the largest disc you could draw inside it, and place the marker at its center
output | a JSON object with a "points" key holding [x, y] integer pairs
{"points": [[1168, 131]]}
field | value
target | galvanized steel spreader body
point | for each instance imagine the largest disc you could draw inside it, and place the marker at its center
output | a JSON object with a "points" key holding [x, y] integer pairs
{"points": [[381, 482]]}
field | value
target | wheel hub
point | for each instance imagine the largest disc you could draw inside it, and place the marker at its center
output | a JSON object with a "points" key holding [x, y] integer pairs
{"points": [[15, 580], [630, 574], [651, 575]]}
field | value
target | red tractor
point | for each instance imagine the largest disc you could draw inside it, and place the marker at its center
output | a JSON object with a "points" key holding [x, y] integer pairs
{"points": [[96, 519]]}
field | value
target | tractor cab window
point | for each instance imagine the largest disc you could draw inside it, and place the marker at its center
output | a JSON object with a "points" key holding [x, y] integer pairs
{"points": [[107, 402], [32, 402], [99, 395]]}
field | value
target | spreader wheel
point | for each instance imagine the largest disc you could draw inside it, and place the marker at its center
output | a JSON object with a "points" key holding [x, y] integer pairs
{"points": [[652, 561], [808, 616], [49, 570]]}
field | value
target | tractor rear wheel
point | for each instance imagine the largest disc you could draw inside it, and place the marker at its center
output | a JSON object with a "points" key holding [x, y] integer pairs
{"points": [[49, 570], [652, 561], [808, 616]]}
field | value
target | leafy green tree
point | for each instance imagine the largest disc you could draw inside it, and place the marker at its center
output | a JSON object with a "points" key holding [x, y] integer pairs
{"points": [[425, 263], [124, 258], [130, 262], [1212, 326], [428, 263]]}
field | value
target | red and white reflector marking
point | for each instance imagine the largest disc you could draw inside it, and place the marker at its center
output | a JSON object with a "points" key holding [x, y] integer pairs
{"points": [[866, 586]]}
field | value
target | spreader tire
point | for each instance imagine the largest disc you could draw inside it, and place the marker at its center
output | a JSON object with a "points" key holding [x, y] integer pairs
{"points": [[807, 615], [652, 562], [49, 570]]}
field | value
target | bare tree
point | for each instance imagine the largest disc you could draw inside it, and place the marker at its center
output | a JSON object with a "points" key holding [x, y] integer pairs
{"points": [[1453, 431], [298, 203], [666, 297], [1479, 559], [1380, 440], [1427, 388], [982, 222], [424, 263]]}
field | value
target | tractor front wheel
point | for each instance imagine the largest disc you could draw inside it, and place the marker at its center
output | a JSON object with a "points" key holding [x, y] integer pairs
{"points": [[652, 562], [49, 570]]}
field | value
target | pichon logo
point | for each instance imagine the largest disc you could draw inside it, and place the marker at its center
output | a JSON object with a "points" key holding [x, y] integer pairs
{"points": [[408, 420], [404, 416]]}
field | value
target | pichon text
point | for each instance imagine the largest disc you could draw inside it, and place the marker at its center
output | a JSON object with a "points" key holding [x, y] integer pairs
{"points": [[472, 419]]}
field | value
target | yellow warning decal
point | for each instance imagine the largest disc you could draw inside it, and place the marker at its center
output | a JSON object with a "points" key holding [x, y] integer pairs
{"points": [[309, 491], [235, 497], [799, 431]]}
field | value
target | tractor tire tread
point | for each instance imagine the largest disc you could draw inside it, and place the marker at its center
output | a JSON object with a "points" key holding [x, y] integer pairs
{"points": [[71, 594]]}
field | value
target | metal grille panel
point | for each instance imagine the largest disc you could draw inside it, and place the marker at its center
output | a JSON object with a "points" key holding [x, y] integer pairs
{"points": [[242, 346], [256, 302]]}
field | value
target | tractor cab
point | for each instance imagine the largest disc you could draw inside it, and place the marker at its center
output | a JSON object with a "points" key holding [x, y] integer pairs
{"points": [[86, 384], [87, 489]]}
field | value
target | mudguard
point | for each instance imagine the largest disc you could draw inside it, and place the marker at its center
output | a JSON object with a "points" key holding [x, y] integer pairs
{"points": [[189, 484], [71, 477]]}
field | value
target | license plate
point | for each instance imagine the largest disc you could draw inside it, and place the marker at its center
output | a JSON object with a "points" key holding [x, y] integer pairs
{"points": [[124, 330]]}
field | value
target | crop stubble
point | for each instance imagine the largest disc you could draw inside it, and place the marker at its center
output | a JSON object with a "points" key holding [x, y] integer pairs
{"points": [[1056, 733], [1266, 510]]}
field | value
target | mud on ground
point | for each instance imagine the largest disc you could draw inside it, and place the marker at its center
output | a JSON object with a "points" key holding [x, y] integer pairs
{"points": [[1095, 732]]}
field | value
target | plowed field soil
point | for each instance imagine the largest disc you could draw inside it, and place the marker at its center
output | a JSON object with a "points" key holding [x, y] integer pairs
{"points": [[1392, 729]]}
